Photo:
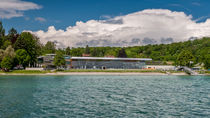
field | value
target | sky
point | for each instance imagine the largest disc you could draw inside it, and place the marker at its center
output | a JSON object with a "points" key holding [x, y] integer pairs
{"points": [[77, 23]]}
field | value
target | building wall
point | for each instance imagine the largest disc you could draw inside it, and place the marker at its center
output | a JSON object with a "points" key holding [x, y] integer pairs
{"points": [[86, 64], [40, 69], [160, 67]]}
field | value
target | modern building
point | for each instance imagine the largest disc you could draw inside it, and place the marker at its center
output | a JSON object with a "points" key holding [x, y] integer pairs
{"points": [[107, 63], [47, 61], [95, 62]]}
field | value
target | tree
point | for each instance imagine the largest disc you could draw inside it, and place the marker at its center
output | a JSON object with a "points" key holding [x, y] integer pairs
{"points": [[77, 51], [2, 33], [110, 52], [49, 48], [59, 60], [9, 52], [94, 52], [185, 58], [31, 44], [12, 32], [21, 43], [7, 64], [6, 44], [155, 55], [22, 57], [87, 50], [61, 50], [2, 30], [12, 35], [203, 56], [68, 51], [1, 54], [206, 61], [122, 53]]}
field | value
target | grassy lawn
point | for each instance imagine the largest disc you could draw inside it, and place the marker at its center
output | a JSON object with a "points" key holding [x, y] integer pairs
{"points": [[207, 72], [79, 70], [173, 71], [119, 71], [25, 72], [204, 72], [91, 70]]}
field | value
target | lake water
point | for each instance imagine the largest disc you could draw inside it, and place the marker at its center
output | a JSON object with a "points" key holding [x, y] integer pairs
{"points": [[104, 96]]}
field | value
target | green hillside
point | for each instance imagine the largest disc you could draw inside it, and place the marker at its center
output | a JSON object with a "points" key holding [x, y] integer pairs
{"points": [[199, 49]]}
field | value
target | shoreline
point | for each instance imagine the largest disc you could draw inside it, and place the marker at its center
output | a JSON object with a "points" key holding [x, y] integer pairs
{"points": [[99, 73]]}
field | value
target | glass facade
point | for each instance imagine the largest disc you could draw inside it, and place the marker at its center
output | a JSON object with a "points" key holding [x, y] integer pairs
{"points": [[107, 64]]}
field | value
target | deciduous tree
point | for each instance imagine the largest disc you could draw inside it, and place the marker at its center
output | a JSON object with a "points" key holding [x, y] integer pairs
{"points": [[49, 48], [7, 64], [59, 60], [6, 44], [185, 58], [31, 44], [22, 57], [1, 54], [206, 61], [9, 52]]}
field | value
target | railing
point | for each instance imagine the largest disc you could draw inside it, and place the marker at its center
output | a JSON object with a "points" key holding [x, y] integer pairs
{"points": [[187, 70]]}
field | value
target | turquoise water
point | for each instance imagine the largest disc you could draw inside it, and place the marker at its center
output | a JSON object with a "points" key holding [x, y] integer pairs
{"points": [[104, 96]]}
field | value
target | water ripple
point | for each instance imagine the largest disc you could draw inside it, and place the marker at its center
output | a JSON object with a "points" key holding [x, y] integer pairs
{"points": [[104, 96]]}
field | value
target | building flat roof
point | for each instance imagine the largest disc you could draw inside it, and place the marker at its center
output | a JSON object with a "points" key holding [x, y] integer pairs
{"points": [[50, 54], [111, 58]]}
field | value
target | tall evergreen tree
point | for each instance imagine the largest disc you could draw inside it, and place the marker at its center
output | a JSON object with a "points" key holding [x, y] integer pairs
{"points": [[12, 35], [122, 53], [94, 53], [68, 51], [12, 31], [87, 50], [2, 33], [2, 30]]}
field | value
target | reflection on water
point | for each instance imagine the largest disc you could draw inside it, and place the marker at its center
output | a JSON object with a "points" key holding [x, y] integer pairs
{"points": [[104, 96]]}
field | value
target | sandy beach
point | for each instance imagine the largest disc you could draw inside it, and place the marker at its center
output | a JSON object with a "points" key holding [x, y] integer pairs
{"points": [[97, 73]]}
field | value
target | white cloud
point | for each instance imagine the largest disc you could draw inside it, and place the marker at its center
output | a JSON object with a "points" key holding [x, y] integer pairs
{"points": [[15, 8], [105, 17], [40, 19], [140, 28]]}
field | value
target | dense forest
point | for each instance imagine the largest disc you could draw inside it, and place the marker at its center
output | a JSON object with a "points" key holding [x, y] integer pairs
{"points": [[24, 48]]}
